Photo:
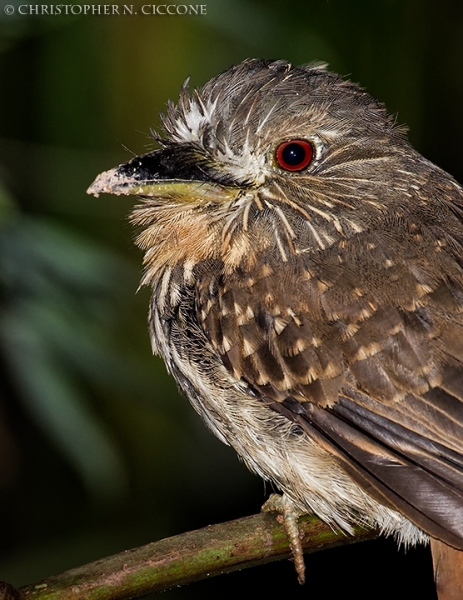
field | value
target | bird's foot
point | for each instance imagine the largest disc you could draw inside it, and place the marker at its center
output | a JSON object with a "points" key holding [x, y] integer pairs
{"points": [[288, 517]]}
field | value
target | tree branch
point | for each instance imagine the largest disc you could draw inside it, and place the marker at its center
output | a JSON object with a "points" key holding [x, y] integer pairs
{"points": [[183, 559]]}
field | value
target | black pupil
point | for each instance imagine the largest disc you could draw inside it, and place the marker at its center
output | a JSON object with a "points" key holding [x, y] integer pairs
{"points": [[293, 154]]}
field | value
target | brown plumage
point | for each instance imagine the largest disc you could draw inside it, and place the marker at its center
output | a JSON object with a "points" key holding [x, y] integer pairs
{"points": [[313, 315]]}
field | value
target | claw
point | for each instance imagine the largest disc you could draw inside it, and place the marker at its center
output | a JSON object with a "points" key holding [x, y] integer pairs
{"points": [[283, 505]]}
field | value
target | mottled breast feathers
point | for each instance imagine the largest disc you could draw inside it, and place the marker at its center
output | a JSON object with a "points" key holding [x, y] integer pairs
{"points": [[299, 329]]}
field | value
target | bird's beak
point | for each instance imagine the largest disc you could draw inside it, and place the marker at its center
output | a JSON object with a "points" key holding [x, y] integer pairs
{"points": [[164, 173]]}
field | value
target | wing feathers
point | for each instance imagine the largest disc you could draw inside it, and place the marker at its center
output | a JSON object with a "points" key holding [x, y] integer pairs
{"points": [[369, 362], [391, 475]]}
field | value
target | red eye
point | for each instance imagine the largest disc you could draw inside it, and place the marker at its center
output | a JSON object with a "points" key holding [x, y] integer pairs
{"points": [[294, 155]]}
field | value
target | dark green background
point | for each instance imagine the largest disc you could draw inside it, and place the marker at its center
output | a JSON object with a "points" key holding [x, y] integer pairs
{"points": [[98, 453]]}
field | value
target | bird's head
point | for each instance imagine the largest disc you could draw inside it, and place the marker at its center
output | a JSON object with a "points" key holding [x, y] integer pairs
{"points": [[264, 157]]}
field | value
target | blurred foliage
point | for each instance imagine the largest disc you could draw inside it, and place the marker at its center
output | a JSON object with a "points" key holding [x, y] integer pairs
{"points": [[55, 309], [98, 452]]}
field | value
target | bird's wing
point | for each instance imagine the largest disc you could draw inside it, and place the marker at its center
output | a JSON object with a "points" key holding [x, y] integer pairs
{"points": [[362, 345]]}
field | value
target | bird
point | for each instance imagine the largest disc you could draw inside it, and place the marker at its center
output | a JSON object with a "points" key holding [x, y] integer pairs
{"points": [[306, 268]]}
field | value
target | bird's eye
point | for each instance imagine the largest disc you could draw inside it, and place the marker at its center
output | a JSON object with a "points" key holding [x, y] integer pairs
{"points": [[294, 155]]}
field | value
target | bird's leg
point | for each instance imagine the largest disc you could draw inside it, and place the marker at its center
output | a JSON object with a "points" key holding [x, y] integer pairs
{"points": [[289, 516]]}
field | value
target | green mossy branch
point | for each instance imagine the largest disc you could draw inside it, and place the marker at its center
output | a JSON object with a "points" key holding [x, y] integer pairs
{"points": [[182, 559]]}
